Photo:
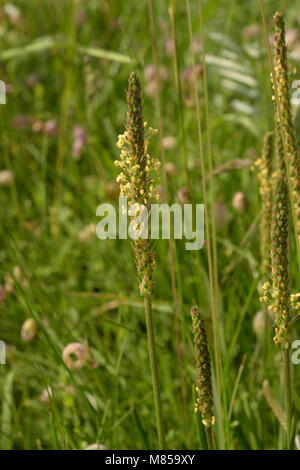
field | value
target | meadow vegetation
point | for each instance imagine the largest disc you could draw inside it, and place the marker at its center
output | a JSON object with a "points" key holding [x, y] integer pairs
{"points": [[72, 307]]}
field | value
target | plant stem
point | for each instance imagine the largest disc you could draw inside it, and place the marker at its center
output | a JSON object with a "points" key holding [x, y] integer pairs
{"points": [[215, 276], [154, 370], [65, 102], [210, 438], [216, 338], [179, 94], [174, 265], [287, 392]]}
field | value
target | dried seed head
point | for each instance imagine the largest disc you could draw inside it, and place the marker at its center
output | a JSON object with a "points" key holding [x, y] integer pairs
{"points": [[28, 330], [171, 169], [169, 142], [46, 395], [96, 447], [6, 177], [183, 196], [77, 350], [239, 202], [203, 366]]}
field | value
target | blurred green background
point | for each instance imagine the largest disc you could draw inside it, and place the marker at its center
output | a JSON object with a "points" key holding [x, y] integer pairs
{"points": [[66, 64]]}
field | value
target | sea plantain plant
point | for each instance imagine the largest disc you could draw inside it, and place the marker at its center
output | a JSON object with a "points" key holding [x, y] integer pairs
{"points": [[139, 173]]}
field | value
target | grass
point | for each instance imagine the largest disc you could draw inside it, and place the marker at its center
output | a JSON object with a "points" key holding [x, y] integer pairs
{"points": [[87, 292]]}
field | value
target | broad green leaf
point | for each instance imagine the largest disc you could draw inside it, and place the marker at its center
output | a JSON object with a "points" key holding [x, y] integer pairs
{"points": [[104, 54], [38, 45]]}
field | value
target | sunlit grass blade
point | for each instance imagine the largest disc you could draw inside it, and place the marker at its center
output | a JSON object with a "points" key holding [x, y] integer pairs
{"points": [[7, 412], [207, 228]]}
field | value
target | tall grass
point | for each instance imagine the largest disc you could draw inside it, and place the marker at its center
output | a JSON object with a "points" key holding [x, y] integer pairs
{"points": [[180, 331], [287, 182], [78, 289], [213, 289], [137, 180]]}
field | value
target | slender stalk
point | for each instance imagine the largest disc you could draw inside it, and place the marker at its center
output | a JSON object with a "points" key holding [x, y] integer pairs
{"points": [[154, 370], [210, 160], [177, 300], [211, 187], [208, 238], [139, 172], [180, 108], [172, 10], [63, 121], [288, 392], [210, 438]]}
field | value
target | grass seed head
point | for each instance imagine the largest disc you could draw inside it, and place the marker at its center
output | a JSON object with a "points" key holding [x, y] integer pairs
{"points": [[29, 330], [280, 264], [204, 401], [264, 171], [75, 350], [284, 113], [139, 174]]}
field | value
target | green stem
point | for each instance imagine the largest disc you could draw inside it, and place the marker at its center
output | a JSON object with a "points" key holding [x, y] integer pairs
{"points": [[287, 392], [65, 101], [215, 276], [210, 438], [179, 95], [154, 371], [174, 264], [211, 271]]}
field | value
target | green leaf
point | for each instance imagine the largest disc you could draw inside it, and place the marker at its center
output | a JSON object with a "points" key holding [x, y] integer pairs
{"points": [[104, 54], [46, 42], [41, 44]]}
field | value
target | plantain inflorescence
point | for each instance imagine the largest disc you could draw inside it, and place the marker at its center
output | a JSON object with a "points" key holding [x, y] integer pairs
{"points": [[280, 298], [204, 402], [264, 174], [138, 177], [284, 113]]}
